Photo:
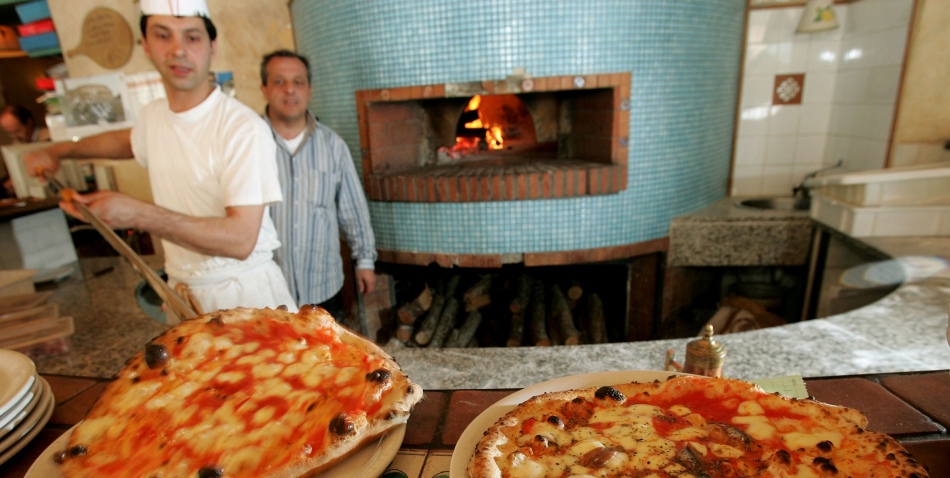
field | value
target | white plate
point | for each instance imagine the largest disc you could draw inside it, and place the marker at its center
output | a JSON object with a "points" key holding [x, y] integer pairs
{"points": [[15, 415], [465, 447], [32, 413], [33, 425], [371, 461], [17, 373]]}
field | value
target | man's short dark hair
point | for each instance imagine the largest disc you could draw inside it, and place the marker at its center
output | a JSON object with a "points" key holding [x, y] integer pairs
{"points": [[23, 115], [284, 53], [212, 31]]}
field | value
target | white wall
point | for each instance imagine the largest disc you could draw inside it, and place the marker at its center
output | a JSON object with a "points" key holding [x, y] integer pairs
{"points": [[850, 89]]}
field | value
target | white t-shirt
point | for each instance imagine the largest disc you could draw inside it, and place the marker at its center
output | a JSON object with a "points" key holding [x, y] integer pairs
{"points": [[217, 154]]}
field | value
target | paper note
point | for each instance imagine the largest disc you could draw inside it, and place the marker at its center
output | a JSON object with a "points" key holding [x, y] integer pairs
{"points": [[790, 385]]}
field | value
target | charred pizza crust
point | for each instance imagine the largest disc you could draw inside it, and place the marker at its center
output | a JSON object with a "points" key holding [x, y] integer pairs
{"points": [[685, 426], [243, 392]]}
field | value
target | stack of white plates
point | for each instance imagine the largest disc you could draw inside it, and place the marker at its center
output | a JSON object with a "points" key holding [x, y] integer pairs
{"points": [[26, 402]]}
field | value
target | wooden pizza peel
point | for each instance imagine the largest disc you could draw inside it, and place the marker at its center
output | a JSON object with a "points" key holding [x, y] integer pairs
{"points": [[171, 299]]}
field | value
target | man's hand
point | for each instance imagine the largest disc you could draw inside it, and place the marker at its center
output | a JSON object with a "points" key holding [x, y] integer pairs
{"points": [[40, 160], [365, 280], [117, 210]]}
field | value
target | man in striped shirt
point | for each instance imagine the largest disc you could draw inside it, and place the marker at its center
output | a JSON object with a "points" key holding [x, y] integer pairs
{"points": [[322, 192]]}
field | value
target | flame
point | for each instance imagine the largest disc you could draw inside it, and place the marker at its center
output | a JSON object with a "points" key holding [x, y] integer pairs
{"points": [[493, 138], [493, 133], [475, 124], [473, 103]]}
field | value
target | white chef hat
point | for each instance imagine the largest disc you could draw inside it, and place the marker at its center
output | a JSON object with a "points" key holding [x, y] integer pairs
{"points": [[179, 8], [176, 8]]}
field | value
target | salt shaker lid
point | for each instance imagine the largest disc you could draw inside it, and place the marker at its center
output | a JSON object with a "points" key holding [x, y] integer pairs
{"points": [[707, 347]]}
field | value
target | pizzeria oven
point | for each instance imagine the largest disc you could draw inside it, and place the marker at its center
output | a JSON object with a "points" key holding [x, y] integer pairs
{"points": [[516, 139], [519, 143]]}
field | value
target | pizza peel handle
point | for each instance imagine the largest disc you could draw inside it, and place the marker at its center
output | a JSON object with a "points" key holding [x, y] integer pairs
{"points": [[164, 291]]}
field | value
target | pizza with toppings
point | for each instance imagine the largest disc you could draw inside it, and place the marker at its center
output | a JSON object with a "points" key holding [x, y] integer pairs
{"points": [[242, 393], [687, 426]]}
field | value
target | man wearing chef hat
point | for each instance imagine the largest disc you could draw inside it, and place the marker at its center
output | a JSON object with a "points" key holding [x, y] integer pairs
{"points": [[211, 165]]}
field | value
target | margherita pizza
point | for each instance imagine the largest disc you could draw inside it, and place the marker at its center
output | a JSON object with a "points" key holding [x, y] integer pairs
{"points": [[244, 392], [686, 426]]}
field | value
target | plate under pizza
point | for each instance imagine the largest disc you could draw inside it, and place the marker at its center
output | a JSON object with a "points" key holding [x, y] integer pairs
{"points": [[370, 462], [465, 446]]}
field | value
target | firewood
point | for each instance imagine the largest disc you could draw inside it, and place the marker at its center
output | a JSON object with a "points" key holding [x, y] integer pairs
{"points": [[446, 322], [408, 313], [452, 339], [467, 331], [452, 285], [573, 295], [522, 294], [597, 323], [575, 291], [538, 315], [427, 327], [404, 333], [518, 310], [478, 295], [562, 317]]}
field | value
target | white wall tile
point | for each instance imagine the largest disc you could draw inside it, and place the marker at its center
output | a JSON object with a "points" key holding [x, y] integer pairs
{"points": [[780, 150], [789, 56], [747, 181], [753, 121], [876, 15], [758, 25], [750, 151], [784, 120], [810, 149], [815, 118], [758, 60], [819, 88], [882, 86], [851, 85], [823, 55], [777, 180], [876, 121], [757, 90], [781, 24]]}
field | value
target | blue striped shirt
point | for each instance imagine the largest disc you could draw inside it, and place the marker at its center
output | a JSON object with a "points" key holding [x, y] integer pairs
{"points": [[322, 196]]}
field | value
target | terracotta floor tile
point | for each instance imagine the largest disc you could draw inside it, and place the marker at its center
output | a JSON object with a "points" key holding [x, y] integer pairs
{"points": [[934, 454], [75, 409], [886, 413], [425, 418], [465, 405], [929, 393], [65, 388]]}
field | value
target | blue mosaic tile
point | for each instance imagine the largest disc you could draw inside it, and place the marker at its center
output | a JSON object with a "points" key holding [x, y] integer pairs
{"points": [[683, 57]]}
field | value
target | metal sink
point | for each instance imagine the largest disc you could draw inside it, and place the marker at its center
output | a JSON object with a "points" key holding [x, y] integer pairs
{"points": [[777, 203]]}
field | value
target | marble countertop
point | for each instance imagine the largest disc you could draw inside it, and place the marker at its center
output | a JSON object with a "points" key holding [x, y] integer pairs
{"points": [[904, 331], [726, 234]]}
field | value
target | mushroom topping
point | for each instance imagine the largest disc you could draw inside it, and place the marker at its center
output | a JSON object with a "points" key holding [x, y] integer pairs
{"points": [[729, 435], [688, 458], [156, 355], [598, 457]]}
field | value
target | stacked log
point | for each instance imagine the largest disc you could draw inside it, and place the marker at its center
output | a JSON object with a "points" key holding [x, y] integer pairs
{"points": [[524, 309]]}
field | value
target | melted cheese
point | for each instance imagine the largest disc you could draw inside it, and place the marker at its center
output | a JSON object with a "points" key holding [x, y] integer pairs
{"points": [[796, 440], [757, 427]]}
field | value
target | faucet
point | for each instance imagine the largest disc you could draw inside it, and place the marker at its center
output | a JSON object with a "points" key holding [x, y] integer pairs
{"points": [[801, 191]]}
